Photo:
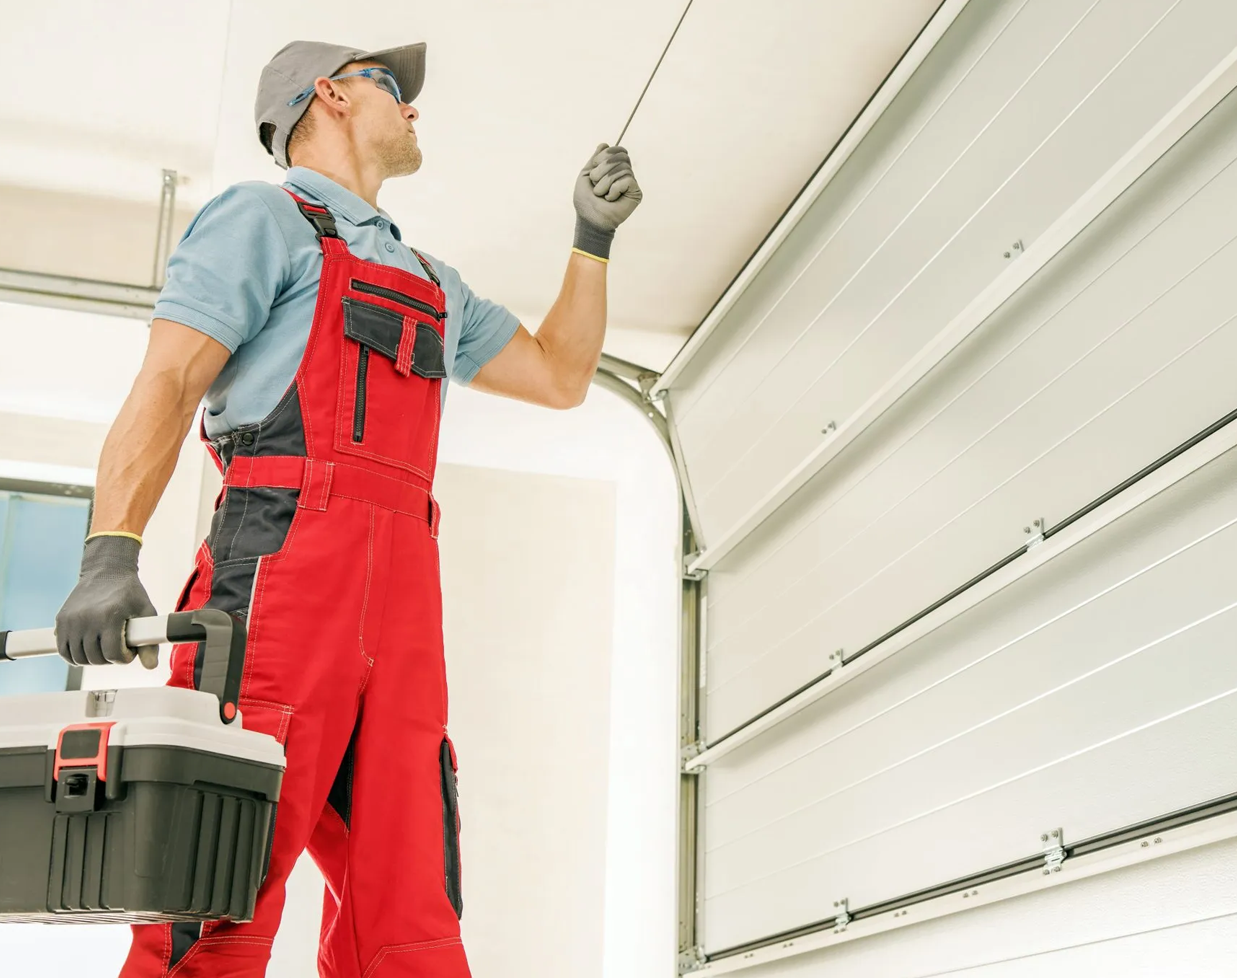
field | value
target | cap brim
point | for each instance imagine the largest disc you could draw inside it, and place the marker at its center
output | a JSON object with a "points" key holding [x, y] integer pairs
{"points": [[408, 64]]}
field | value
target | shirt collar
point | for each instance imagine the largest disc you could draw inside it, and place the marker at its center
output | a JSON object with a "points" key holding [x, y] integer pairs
{"points": [[341, 202]]}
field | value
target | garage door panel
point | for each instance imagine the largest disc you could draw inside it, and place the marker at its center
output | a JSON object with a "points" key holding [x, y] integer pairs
{"points": [[944, 252], [967, 449], [1046, 464], [1155, 678], [1065, 699], [900, 158], [1166, 226], [869, 215], [1103, 782], [985, 685], [1100, 354], [1173, 529]]}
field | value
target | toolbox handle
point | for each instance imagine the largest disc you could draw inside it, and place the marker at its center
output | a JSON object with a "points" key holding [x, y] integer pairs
{"points": [[220, 635]]}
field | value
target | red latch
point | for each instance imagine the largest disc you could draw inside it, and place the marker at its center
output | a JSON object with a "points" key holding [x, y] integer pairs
{"points": [[83, 745]]}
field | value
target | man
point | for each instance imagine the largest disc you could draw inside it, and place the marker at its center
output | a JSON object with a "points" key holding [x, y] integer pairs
{"points": [[322, 346]]}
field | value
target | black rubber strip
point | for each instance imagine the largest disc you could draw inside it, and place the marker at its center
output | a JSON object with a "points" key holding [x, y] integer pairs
{"points": [[4, 638], [1090, 507]]}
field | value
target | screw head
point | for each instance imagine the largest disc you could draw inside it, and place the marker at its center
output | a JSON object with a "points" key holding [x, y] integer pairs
{"points": [[1145, 844], [1055, 833], [1026, 529], [1007, 254], [1044, 837], [1045, 872]]}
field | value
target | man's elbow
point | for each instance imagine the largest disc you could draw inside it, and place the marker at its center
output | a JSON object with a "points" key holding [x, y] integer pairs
{"points": [[566, 396]]}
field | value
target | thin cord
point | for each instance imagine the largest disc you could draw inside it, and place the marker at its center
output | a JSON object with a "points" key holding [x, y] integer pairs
{"points": [[619, 141]]}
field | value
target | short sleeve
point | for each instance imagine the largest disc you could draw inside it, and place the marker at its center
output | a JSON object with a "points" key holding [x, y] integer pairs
{"points": [[485, 326], [228, 269]]}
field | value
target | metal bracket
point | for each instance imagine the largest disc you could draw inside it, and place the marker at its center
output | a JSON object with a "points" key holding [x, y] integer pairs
{"points": [[692, 960], [837, 660], [843, 916], [1054, 850], [1035, 533], [691, 575], [688, 753], [163, 232]]}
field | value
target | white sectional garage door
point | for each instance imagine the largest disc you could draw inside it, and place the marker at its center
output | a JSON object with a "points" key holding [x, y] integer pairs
{"points": [[857, 452]]}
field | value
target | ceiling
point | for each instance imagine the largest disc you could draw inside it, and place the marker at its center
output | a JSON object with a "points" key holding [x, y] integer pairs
{"points": [[102, 96]]}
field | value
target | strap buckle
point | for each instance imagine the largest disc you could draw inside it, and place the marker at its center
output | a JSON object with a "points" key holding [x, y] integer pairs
{"points": [[319, 217]]}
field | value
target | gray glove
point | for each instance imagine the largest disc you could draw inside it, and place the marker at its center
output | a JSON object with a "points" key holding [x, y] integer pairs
{"points": [[606, 194], [90, 625]]}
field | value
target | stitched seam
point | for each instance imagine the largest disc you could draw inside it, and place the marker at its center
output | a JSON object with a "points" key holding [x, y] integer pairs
{"points": [[315, 331], [369, 576], [284, 708], [259, 590], [405, 948], [202, 941], [391, 509]]}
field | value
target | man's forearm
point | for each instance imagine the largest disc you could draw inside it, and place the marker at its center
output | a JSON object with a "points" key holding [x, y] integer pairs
{"points": [[140, 453], [573, 331]]}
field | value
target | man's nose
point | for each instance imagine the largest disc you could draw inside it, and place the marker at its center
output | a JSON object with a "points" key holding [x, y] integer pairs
{"points": [[411, 114]]}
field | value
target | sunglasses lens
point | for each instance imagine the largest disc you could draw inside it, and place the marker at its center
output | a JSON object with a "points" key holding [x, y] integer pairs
{"points": [[387, 83]]}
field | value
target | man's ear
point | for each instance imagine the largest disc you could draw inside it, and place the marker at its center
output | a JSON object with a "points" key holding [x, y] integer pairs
{"points": [[332, 96]]}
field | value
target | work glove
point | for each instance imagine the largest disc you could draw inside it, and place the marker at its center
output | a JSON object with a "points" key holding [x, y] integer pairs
{"points": [[606, 194], [90, 625]]}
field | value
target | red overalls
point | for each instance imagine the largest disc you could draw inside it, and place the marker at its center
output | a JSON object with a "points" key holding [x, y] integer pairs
{"points": [[325, 540]]}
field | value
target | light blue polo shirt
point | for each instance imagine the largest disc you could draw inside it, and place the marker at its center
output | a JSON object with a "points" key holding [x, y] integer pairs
{"points": [[246, 274]]}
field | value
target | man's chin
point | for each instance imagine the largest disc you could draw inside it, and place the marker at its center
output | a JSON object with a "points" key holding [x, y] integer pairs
{"points": [[405, 163]]}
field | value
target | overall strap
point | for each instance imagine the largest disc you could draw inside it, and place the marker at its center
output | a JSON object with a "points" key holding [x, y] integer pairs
{"points": [[429, 269], [323, 223]]}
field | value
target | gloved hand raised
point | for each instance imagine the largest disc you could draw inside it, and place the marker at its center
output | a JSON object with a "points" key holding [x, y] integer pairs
{"points": [[90, 625], [606, 194]]}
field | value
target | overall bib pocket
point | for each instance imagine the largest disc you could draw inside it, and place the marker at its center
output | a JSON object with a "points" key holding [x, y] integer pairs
{"points": [[392, 370]]}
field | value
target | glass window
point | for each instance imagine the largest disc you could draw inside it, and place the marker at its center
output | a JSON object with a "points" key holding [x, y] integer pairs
{"points": [[41, 536]]}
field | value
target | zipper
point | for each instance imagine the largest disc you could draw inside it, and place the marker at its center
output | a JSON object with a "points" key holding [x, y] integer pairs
{"points": [[371, 289], [358, 411]]}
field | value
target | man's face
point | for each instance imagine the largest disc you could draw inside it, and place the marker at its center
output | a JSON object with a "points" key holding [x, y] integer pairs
{"points": [[383, 126]]}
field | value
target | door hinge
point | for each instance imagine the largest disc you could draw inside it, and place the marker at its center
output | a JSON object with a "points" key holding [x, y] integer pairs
{"points": [[1054, 850], [688, 573], [692, 960], [1035, 533], [843, 916]]}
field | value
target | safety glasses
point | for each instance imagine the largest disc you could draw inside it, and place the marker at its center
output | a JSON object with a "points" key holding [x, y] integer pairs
{"points": [[384, 78]]}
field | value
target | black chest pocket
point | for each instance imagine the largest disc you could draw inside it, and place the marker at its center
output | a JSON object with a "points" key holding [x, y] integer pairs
{"points": [[393, 365]]}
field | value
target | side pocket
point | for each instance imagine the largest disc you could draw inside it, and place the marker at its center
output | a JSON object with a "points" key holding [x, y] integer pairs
{"points": [[451, 827]]}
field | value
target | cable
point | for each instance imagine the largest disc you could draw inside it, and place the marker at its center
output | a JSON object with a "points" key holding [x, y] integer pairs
{"points": [[619, 141]]}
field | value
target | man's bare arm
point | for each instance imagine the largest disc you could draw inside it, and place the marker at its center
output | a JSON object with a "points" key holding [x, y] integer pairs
{"points": [[555, 367], [141, 449]]}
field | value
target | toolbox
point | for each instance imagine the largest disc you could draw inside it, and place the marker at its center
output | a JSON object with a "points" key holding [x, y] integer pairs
{"points": [[138, 805]]}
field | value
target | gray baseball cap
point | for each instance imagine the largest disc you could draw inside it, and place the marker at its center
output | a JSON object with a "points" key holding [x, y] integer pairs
{"points": [[298, 65]]}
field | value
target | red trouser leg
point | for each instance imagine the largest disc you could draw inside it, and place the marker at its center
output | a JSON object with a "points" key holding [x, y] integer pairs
{"points": [[348, 613], [387, 912]]}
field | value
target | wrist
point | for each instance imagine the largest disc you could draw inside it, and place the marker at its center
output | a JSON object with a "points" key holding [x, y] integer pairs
{"points": [[591, 240], [110, 551]]}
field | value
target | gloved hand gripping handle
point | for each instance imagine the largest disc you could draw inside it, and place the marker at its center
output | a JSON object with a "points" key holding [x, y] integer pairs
{"points": [[220, 635]]}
